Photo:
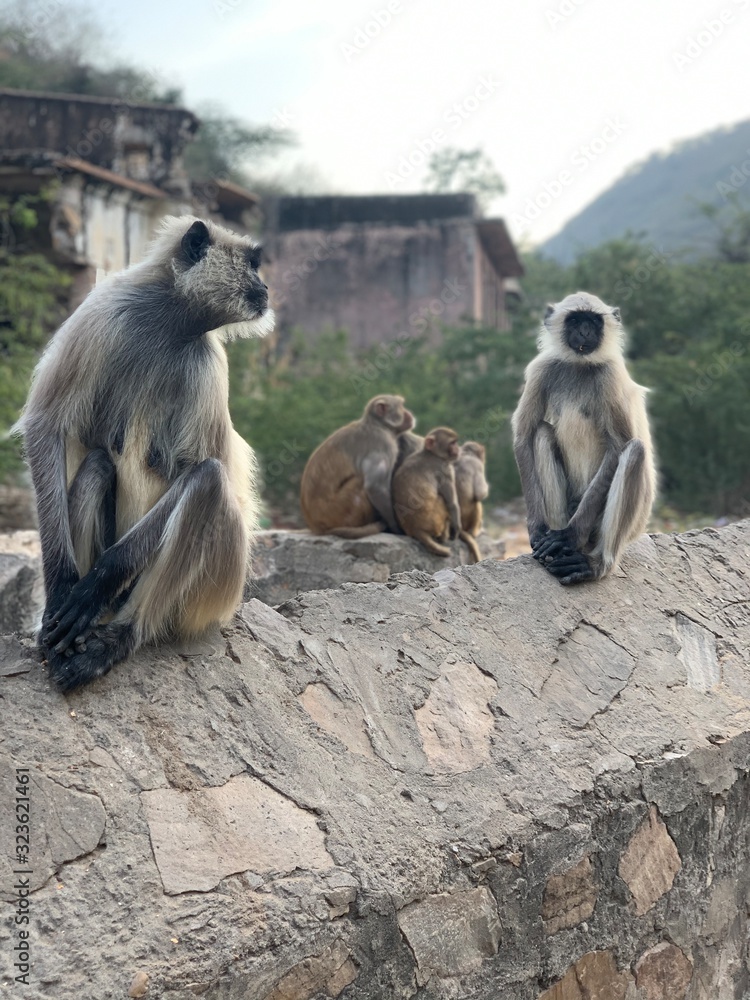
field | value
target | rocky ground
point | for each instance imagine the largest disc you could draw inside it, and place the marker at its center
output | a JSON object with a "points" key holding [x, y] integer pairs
{"points": [[473, 783]]}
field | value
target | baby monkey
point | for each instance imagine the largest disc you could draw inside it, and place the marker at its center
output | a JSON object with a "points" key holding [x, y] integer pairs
{"points": [[424, 494], [471, 486]]}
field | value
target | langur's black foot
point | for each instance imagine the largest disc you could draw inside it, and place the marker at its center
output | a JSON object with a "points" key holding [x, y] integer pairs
{"points": [[537, 534], [58, 594], [84, 604], [570, 567], [557, 542], [103, 648]]}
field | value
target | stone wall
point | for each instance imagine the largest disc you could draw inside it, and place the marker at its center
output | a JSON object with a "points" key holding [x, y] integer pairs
{"points": [[105, 131], [286, 563], [471, 785], [378, 282]]}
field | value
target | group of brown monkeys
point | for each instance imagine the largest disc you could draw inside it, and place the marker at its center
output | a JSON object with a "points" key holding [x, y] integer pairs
{"points": [[376, 475]]}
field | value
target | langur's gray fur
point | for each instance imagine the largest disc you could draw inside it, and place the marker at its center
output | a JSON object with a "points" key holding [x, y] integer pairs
{"points": [[145, 492], [582, 443]]}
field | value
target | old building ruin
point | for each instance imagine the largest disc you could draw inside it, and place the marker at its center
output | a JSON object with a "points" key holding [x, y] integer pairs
{"points": [[384, 267], [381, 267], [113, 170]]}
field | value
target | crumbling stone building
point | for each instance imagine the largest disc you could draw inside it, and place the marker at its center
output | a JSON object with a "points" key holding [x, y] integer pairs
{"points": [[381, 267], [388, 266], [114, 169]]}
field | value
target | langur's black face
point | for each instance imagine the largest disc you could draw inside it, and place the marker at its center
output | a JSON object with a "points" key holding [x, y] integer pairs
{"points": [[223, 273], [583, 331], [257, 291]]}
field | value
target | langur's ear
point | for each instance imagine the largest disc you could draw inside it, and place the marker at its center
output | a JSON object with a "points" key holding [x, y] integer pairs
{"points": [[548, 312], [381, 409], [429, 442], [196, 241], [616, 313]]}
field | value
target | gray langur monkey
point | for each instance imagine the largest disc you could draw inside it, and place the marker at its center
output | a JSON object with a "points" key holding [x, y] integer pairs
{"points": [[144, 490], [582, 443]]}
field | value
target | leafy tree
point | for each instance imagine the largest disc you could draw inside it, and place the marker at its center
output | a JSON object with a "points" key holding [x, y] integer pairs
{"points": [[732, 223], [470, 380], [223, 145], [453, 169], [46, 46], [31, 306]]}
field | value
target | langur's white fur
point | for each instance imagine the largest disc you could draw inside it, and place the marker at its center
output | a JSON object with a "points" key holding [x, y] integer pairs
{"points": [[583, 443], [133, 391]]}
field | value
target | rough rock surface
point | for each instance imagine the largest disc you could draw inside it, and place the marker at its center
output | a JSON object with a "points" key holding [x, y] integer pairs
{"points": [[21, 593], [471, 785], [287, 563]]}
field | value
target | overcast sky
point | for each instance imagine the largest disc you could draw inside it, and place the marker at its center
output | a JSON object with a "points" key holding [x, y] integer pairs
{"points": [[564, 95]]}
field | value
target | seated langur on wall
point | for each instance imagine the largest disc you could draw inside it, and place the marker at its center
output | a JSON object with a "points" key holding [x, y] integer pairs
{"points": [[582, 442], [145, 492], [346, 485], [424, 494]]}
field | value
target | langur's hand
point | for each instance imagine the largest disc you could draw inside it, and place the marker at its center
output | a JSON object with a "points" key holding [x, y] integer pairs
{"points": [[557, 542], [81, 609], [537, 534], [58, 594]]}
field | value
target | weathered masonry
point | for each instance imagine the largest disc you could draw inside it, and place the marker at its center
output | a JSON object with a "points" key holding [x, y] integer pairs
{"points": [[473, 784], [114, 168], [384, 267]]}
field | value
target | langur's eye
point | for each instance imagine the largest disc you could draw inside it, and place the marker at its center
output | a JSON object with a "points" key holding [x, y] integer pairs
{"points": [[255, 258]]}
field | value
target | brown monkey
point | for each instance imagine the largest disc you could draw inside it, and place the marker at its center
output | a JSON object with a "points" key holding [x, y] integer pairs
{"points": [[346, 485], [471, 486], [424, 494]]}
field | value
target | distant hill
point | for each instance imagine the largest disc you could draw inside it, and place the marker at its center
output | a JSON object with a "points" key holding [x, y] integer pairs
{"points": [[660, 197]]}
